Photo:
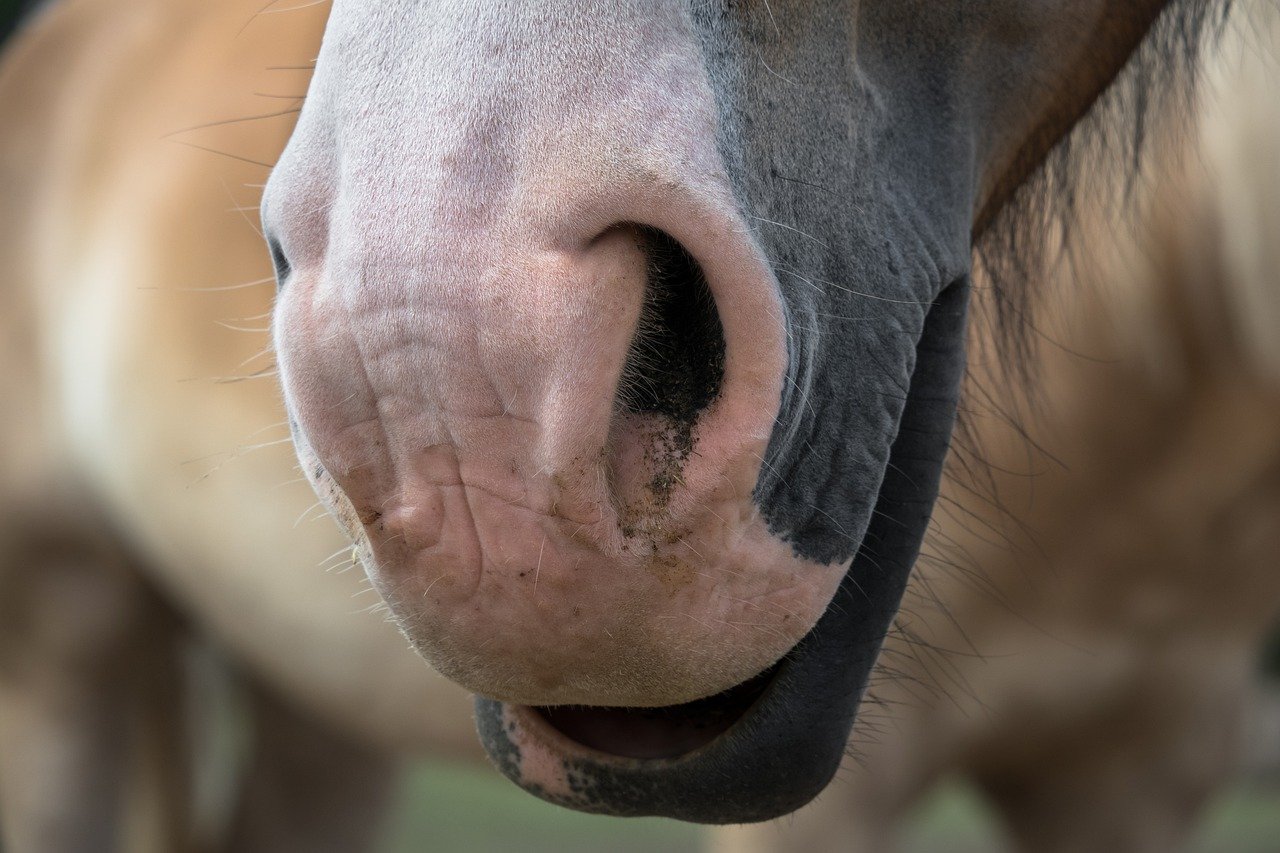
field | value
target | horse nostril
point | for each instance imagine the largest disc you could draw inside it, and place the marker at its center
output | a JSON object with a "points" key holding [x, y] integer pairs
{"points": [[675, 365], [282, 265]]}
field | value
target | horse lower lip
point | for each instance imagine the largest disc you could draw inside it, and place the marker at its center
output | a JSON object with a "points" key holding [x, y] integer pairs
{"points": [[657, 733], [681, 768]]}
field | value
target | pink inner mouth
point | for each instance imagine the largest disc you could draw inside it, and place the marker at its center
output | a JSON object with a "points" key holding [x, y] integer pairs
{"points": [[656, 733]]}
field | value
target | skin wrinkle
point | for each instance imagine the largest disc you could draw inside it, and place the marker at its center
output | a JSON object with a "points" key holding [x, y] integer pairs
{"points": [[510, 501], [806, 398]]}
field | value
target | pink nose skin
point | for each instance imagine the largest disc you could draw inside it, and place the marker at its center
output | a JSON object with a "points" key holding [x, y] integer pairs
{"points": [[539, 543], [466, 288]]}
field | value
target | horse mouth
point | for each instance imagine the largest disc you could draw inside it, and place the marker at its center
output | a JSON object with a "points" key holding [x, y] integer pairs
{"points": [[714, 760], [669, 732]]}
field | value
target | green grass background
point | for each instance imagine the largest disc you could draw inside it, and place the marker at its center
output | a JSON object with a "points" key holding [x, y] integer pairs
{"points": [[451, 809]]}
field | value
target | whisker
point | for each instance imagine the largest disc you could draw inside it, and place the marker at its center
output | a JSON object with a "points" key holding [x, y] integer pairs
{"points": [[228, 154], [229, 121]]}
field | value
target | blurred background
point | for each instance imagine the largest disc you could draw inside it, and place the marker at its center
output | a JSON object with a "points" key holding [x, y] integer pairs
{"points": [[1058, 605]]}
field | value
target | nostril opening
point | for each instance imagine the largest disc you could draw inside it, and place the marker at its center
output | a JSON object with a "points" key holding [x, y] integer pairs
{"points": [[282, 265], [675, 365]]}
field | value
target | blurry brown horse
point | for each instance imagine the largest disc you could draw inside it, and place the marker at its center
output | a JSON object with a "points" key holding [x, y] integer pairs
{"points": [[142, 482]]}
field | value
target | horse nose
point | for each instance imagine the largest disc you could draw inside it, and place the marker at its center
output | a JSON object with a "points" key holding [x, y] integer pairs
{"points": [[546, 445], [671, 371], [536, 379], [675, 362]]}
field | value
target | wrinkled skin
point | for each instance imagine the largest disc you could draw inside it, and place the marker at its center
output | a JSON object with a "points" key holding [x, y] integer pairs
{"points": [[463, 228]]}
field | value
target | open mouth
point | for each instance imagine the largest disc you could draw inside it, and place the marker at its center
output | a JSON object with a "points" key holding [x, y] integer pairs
{"points": [[713, 760], [656, 733]]}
